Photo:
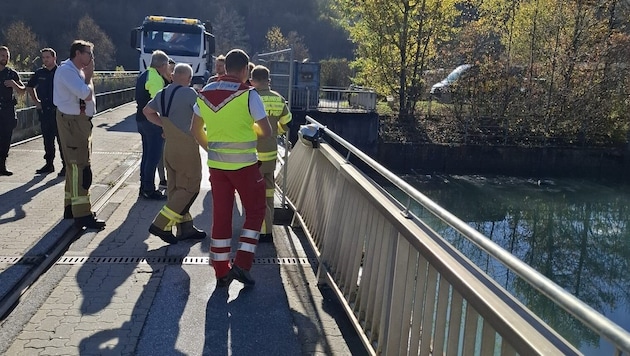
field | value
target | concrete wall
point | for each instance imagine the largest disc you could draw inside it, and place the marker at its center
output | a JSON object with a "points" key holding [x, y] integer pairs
{"points": [[28, 120], [609, 163], [358, 128]]}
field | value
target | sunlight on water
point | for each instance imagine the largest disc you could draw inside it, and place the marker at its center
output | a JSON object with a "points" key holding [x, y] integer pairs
{"points": [[574, 232]]}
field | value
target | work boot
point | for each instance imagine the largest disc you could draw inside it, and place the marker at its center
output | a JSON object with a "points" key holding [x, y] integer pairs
{"points": [[188, 231], [89, 222], [166, 236], [241, 275], [263, 238], [47, 168], [224, 281], [3, 169], [67, 212], [152, 195]]}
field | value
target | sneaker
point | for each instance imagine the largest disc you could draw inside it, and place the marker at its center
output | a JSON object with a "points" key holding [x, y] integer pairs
{"points": [[241, 275], [154, 195], [47, 168], [62, 172], [162, 184], [264, 238], [4, 172]]}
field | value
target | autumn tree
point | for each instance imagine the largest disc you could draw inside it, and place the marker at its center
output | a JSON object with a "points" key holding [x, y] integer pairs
{"points": [[572, 53], [104, 49], [395, 41], [335, 72], [229, 29], [276, 41], [23, 45]]}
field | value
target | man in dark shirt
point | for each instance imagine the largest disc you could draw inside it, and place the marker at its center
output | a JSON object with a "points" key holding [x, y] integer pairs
{"points": [[40, 89], [9, 82], [148, 84]]}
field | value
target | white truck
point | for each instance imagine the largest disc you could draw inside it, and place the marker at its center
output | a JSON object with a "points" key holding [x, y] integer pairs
{"points": [[184, 40]]}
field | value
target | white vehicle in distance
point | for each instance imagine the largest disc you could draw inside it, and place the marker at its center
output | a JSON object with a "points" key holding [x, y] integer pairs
{"points": [[443, 90]]}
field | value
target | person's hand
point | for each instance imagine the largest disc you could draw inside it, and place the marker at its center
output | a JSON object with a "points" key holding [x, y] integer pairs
{"points": [[38, 105], [9, 83], [89, 71]]}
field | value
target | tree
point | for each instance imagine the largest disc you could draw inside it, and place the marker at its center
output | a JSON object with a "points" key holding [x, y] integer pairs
{"points": [[296, 43], [395, 41], [229, 30], [335, 72], [276, 41], [23, 45], [104, 50]]}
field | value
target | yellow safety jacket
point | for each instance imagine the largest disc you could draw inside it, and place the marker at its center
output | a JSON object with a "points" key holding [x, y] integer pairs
{"points": [[224, 108], [279, 115]]}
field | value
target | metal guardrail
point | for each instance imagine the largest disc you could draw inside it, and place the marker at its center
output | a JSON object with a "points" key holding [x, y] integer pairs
{"points": [[404, 287], [330, 99]]}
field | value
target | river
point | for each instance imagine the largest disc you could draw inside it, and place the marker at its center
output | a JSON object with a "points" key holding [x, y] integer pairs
{"points": [[577, 233]]}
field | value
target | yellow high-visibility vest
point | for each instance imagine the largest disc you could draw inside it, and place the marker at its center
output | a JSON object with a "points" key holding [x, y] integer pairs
{"points": [[231, 137], [278, 114]]}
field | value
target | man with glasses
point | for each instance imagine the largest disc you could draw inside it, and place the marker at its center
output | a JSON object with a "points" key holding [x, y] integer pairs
{"points": [[73, 94]]}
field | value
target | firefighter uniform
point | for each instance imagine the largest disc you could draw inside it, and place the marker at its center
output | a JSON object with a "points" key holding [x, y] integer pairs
{"points": [[8, 118], [279, 116], [74, 125], [229, 109], [182, 161]]}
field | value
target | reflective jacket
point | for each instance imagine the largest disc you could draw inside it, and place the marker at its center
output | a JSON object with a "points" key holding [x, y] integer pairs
{"points": [[224, 107], [278, 114]]}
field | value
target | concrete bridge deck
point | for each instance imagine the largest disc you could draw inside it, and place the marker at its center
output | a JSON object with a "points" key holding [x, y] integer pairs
{"points": [[123, 291]]}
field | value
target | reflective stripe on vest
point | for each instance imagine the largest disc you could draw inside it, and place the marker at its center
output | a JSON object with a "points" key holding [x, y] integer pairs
{"points": [[267, 156], [231, 137]]}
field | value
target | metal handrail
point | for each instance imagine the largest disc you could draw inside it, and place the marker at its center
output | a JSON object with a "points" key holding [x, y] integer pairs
{"points": [[99, 72], [574, 306]]}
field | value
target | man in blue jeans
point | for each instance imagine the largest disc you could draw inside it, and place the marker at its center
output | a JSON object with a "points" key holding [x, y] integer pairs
{"points": [[149, 83]]}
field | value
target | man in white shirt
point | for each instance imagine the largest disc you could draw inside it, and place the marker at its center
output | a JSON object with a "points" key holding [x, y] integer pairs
{"points": [[73, 94]]}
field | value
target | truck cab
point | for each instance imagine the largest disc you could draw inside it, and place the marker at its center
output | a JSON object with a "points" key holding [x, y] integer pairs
{"points": [[184, 40]]}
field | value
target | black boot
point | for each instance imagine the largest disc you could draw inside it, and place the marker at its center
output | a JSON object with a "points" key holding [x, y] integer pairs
{"points": [[89, 222], [47, 168], [3, 168], [187, 231], [166, 236], [67, 212]]}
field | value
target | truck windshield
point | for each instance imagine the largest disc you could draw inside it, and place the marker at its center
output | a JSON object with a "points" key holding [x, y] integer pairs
{"points": [[173, 41]]}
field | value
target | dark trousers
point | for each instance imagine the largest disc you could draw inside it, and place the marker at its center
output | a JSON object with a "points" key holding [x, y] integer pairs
{"points": [[152, 150], [48, 122], [8, 121]]}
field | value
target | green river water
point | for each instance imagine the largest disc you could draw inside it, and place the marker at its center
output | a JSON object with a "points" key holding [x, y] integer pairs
{"points": [[577, 233]]}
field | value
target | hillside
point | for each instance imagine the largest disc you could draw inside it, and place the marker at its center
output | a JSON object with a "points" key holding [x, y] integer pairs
{"points": [[54, 23]]}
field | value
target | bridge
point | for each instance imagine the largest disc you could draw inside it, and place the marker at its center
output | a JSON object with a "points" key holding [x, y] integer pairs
{"points": [[351, 270]]}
